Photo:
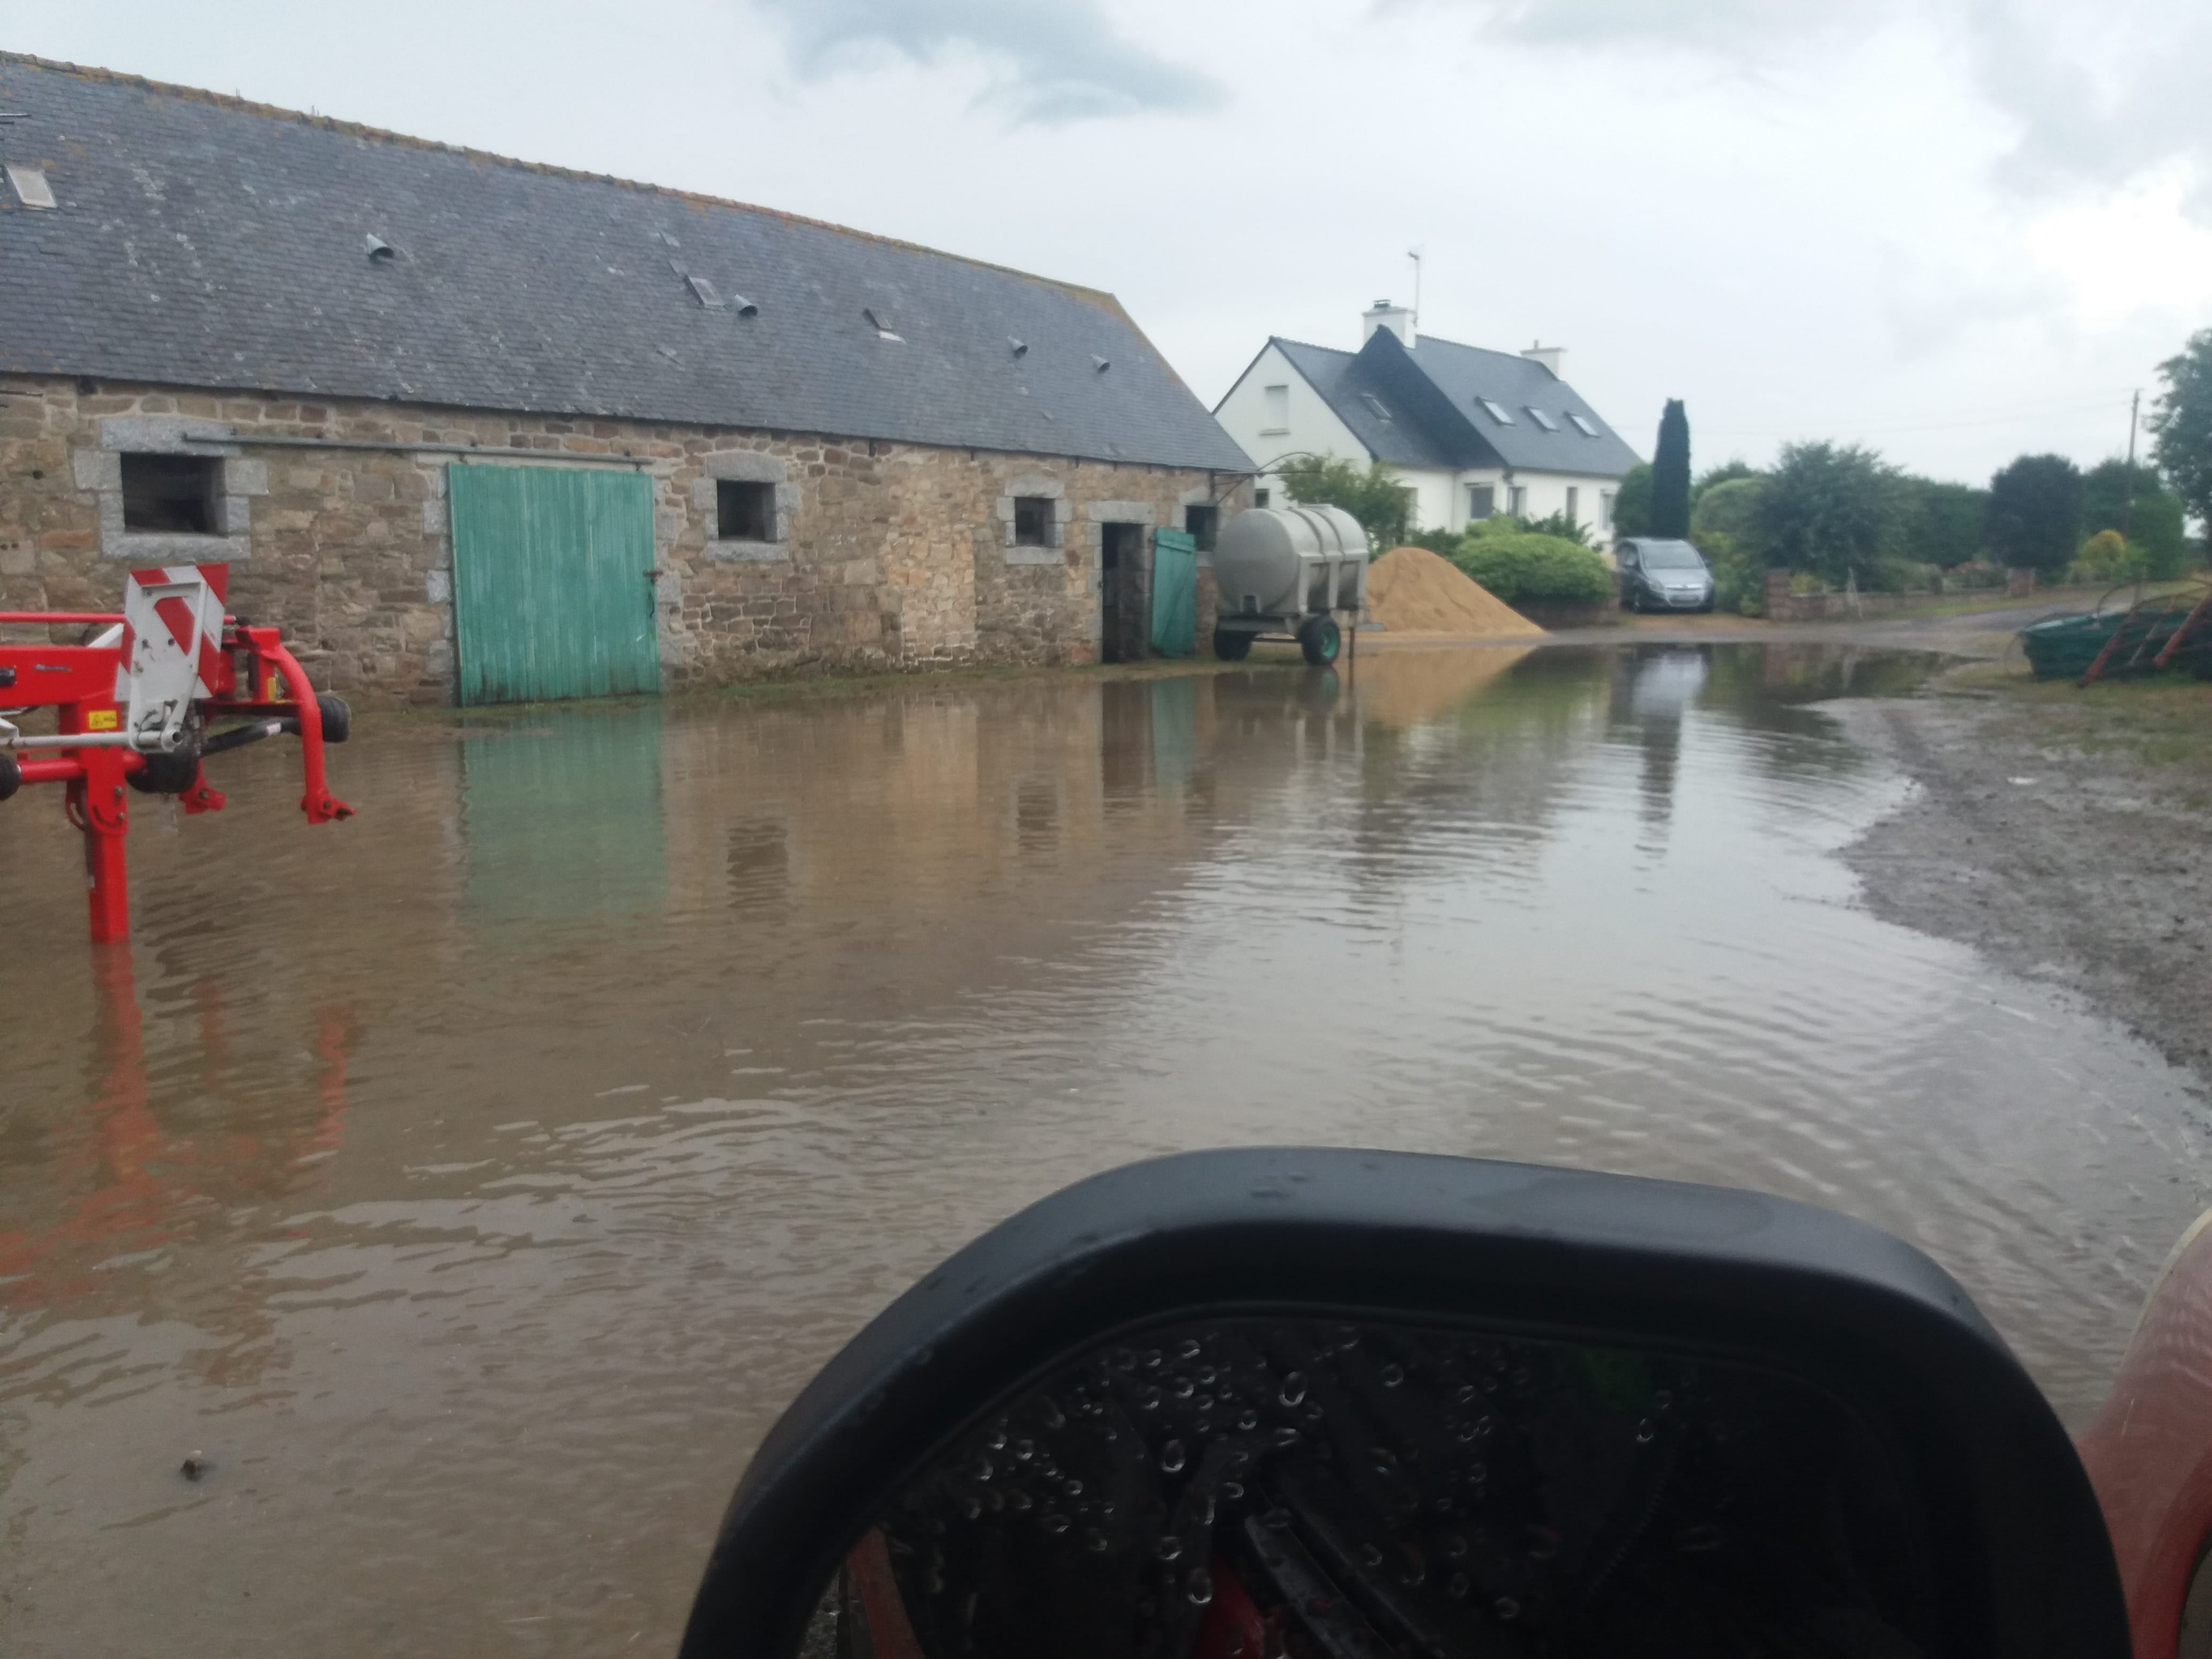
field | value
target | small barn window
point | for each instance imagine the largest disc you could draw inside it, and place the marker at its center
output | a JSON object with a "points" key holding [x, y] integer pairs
{"points": [[1201, 523], [745, 512], [1032, 521], [1261, 498], [170, 494], [1277, 399], [1481, 500]]}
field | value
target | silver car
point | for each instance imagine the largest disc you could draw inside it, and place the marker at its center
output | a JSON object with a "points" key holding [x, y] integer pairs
{"points": [[1663, 575]]}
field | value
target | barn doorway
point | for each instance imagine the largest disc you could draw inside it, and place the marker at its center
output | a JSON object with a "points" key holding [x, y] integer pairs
{"points": [[1124, 618]]}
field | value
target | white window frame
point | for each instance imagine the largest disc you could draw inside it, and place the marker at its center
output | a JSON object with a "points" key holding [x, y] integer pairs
{"points": [[1275, 405]]}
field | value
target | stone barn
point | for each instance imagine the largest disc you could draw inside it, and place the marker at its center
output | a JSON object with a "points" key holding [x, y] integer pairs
{"points": [[472, 429]]}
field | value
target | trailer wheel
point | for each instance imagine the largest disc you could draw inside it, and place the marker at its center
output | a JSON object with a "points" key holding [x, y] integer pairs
{"points": [[1231, 644], [1319, 639], [338, 719]]}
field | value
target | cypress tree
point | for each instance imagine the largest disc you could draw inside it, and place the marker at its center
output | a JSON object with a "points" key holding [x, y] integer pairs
{"points": [[1670, 474]]}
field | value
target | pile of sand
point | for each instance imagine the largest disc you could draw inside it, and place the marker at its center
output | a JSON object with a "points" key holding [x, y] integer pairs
{"points": [[1411, 590]]}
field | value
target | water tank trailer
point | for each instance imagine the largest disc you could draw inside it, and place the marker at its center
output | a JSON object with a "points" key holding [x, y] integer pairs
{"points": [[1287, 571]]}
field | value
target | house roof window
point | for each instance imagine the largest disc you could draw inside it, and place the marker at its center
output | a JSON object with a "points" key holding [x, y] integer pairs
{"points": [[1542, 419], [1375, 404], [1582, 424], [1496, 411]]}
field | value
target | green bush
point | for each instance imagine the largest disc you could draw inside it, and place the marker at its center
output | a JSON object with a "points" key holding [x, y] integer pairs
{"points": [[2106, 557], [1437, 541], [1559, 523], [1903, 576], [1517, 566], [1972, 574]]}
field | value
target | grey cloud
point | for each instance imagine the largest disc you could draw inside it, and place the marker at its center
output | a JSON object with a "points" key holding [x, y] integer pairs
{"points": [[1061, 60], [2101, 95]]}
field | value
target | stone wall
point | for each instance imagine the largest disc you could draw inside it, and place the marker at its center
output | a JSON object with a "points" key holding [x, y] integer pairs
{"points": [[879, 556]]}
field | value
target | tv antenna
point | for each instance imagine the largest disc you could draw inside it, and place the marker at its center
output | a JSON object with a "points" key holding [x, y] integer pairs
{"points": [[1414, 255]]}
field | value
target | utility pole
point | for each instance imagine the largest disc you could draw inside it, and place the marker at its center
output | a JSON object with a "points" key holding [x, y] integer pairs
{"points": [[2128, 499]]}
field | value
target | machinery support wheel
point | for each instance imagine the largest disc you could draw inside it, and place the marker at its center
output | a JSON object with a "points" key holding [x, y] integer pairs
{"points": [[1320, 638], [1231, 644]]}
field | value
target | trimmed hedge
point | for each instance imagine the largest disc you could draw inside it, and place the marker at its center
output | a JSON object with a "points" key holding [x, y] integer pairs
{"points": [[1515, 568]]}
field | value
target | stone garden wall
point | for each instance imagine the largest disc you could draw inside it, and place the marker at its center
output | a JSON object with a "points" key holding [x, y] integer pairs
{"points": [[881, 557]]}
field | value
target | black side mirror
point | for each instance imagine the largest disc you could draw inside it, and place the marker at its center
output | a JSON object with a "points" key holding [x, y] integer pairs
{"points": [[1354, 1404]]}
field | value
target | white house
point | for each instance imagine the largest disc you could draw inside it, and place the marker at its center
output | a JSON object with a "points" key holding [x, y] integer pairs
{"points": [[1470, 432]]}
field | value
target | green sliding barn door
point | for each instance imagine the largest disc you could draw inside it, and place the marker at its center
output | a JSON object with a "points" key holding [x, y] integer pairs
{"points": [[553, 595]]}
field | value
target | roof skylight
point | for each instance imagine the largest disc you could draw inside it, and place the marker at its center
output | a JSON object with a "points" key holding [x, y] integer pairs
{"points": [[703, 291], [1542, 419], [881, 324], [1496, 411], [1375, 404], [32, 189], [1582, 424]]}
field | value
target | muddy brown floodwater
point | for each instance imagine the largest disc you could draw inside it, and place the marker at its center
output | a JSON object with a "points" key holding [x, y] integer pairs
{"points": [[470, 1183]]}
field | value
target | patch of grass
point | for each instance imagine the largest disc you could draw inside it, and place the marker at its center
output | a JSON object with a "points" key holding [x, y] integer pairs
{"points": [[2160, 719]]}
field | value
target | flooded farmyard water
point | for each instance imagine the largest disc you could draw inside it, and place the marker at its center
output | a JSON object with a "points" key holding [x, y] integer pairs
{"points": [[470, 1183]]}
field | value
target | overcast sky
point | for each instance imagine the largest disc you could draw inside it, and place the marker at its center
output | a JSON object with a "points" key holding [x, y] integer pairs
{"points": [[1953, 229]]}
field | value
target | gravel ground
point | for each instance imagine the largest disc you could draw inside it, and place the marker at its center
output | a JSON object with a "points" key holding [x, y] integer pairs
{"points": [[2061, 833]]}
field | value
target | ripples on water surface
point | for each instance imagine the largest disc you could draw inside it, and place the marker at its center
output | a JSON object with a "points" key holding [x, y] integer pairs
{"points": [[472, 1182]]}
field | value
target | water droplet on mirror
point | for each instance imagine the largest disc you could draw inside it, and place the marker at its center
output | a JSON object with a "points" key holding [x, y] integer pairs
{"points": [[1097, 1541], [1124, 1359], [1661, 1399], [1248, 1420], [1287, 1436], [1206, 1375], [1153, 1357], [998, 1440], [1169, 1547], [1025, 1450], [1053, 1417], [1148, 1399], [1276, 1519], [1232, 1490], [1458, 1588], [973, 1508], [1454, 1547], [982, 1470], [1199, 1587], [1393, 1375], [1370, 1556], [1171, 1457], [1188, 1348], [1017, 1501], [1464, 1393], [1294, 1389], [1055, 1523], [1646, 1432], [1072, 1488], [1506, 1608], [1466, 1431]]}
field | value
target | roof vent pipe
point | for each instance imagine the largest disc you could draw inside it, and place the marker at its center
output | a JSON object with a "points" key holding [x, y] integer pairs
{"points": [[378, 249], [744, 306], [1100, 365], [1021, 350]]}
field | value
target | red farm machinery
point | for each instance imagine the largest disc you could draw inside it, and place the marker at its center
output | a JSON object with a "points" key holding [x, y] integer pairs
{"points": [[135, 704]]}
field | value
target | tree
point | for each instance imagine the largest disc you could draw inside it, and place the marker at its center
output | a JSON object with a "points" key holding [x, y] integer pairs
{"points": [[1943, 521], [2181, 424], [1727, 472], [2153, 514], [1670, 474], [1730, 509], [2034, 520], [1835, 510], [1631, 502], [1383, 507]]}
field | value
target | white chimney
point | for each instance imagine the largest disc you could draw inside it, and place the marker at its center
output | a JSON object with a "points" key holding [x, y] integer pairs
{"points": [[1399, 319], [1550, 356]]}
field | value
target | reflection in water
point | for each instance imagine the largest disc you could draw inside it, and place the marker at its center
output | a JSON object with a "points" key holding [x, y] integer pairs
{"points": [[1257, 1486], [474, 1181]]}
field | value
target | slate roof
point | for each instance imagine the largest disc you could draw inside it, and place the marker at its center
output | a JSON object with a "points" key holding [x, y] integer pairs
{"points": [[202, 240], [1430, 396]]}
